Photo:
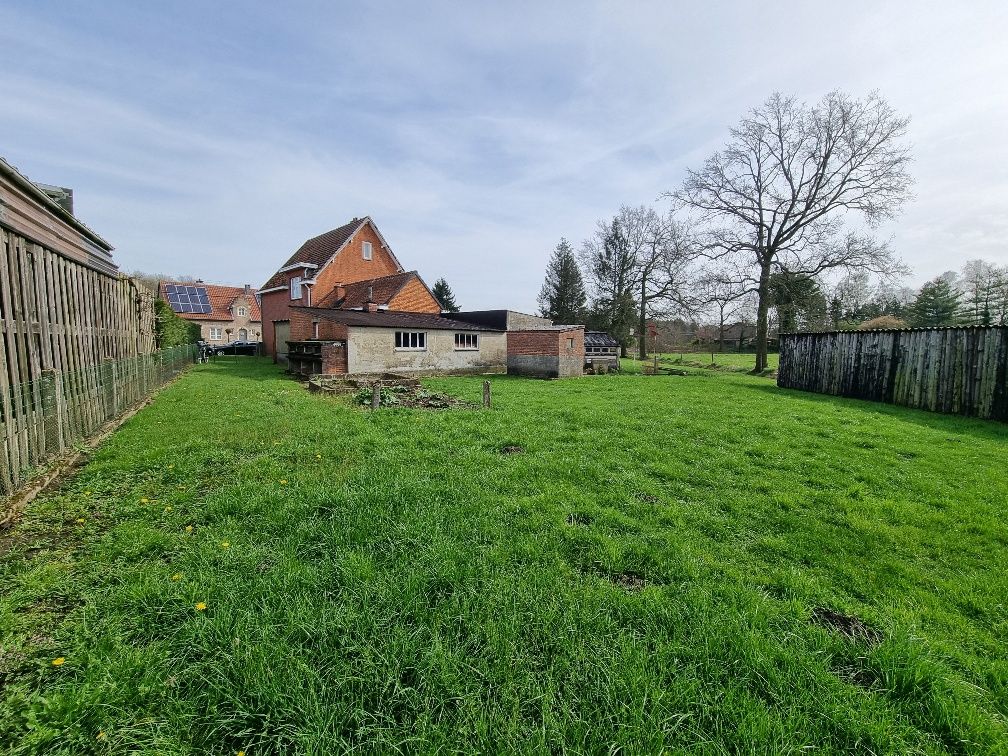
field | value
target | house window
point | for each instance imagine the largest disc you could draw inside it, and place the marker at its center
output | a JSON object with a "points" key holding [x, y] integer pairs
{"points": [[366, 250], [466, 341], [215, 334], [241, 312], [411, 340], [570, 343], [296, 287], [314, 329]]}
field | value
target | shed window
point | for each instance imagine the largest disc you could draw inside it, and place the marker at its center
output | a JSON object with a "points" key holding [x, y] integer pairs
{"points": [[411, 340], [296, 287], [467, 341], [570, 343], [366, 250]]}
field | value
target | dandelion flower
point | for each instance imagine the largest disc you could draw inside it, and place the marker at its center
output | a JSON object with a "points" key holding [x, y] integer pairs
{"points": [[225, 544], [177, 576], [58, 661], [87, 493], [80, 520], [100, 735], [144, 500], [283, 481], [318, 456], [167, 509], [240, 753], [200, 606], [188, 528], [171, 467]]}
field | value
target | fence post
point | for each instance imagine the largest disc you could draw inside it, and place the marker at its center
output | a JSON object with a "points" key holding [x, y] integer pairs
{"points": [[486, 393], [376, 395]]}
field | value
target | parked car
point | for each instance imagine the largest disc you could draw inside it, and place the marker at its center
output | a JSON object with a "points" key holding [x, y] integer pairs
{"points": [[238, 347]]}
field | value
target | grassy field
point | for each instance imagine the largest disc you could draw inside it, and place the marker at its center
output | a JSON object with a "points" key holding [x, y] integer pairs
{"points": [[727, 361], [614, 563]]}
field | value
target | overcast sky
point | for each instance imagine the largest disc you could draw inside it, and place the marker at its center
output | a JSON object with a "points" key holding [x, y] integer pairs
{"points": [[212, 139]]}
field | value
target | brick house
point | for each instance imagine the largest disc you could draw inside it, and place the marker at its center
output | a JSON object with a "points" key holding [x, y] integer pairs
{"points": [[340, 269], [343, 303], [224, 313]]}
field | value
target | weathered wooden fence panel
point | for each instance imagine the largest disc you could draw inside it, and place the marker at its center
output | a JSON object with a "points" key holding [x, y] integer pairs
{"points": [[76, 350], [953, 370]]}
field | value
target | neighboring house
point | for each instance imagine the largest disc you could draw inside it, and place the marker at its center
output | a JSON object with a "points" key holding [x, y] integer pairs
{"points": [[535, 345], [224, 313], [337, 270]]}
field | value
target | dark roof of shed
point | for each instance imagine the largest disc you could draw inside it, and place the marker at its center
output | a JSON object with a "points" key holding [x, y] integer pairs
{"points": [[599, 339], [392, 319]]}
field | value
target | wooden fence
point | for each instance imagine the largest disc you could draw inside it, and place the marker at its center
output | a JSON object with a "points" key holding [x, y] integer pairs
{"points": [[75, 351], [953, 370]]}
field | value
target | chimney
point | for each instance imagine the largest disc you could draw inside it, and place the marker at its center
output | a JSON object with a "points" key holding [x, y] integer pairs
{"points": [[370, 306], [247, 287]]}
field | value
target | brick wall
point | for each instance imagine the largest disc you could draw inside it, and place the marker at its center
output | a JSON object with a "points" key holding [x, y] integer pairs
{"points": [[555, 354], [414, 297], [302, 328], [334, 358], [350, 265]]}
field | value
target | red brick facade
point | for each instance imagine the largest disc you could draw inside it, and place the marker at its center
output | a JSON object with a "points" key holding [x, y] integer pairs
{"points": [[567, 343], [415, 297]]}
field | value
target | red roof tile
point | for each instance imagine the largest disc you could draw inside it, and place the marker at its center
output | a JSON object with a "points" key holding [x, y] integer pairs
{"points": [[355, 295], [221, 299]]}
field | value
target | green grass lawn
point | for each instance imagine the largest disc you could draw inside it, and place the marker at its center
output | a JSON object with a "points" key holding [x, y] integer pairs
{"points": [[247, 566]]}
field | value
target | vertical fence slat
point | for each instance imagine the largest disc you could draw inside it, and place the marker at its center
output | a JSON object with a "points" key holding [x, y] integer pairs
{"points": [[952, 370]]}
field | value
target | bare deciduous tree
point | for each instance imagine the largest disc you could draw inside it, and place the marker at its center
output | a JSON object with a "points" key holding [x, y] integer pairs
{"points": [[779, 191], [663, 254]]}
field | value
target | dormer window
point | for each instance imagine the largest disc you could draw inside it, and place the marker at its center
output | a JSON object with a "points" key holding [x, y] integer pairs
{"points": [[295, 286], [366, 250], [241, 312]]}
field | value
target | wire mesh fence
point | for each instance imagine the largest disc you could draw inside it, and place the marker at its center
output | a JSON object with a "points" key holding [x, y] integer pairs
{"points": [[46, 417]]}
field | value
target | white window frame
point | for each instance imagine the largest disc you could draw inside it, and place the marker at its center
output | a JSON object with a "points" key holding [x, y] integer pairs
{"points": [[416, 341], [467, 342], [241, 312], [295, 286], [315, 329], [215, 333], [366, 250]]}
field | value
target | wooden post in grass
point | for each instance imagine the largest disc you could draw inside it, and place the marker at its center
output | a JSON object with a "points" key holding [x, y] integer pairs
{"points": [[376, 395], [486, 393], [656, 363]]}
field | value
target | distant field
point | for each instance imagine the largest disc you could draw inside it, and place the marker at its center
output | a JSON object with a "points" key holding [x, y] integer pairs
{"points": [[700, 563], [727, 360]]}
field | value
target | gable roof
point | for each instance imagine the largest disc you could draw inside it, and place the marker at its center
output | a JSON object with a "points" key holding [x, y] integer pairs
{"points": [[319, 250], [221, 298], [355, 295], [392, 319]]}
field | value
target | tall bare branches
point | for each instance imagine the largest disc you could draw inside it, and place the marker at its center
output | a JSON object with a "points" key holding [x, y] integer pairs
{"points": [[780, 191]]}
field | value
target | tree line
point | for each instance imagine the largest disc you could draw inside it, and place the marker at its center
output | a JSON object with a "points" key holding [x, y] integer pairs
{"points": [[777, 227]]}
